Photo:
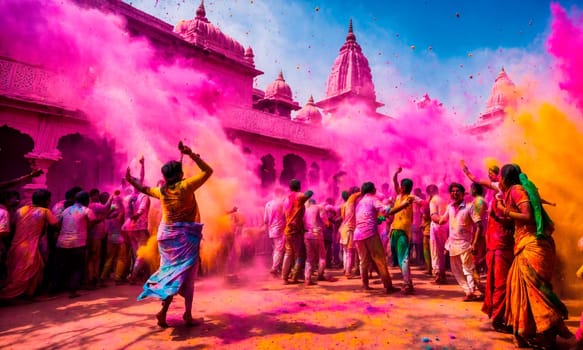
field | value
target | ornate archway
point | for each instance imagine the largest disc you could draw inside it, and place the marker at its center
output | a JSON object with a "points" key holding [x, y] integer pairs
{"points": [[294, 167], [85, 162], [267, 171], [14, 145]]}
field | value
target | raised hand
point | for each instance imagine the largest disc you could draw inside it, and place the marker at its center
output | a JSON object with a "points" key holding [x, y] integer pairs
{"points": [[128, 174]]}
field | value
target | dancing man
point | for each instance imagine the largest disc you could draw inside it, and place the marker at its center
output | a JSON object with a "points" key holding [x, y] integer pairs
{"points": [[179, 234]]}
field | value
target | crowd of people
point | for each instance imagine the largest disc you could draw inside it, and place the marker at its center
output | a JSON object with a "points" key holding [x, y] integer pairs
{"points": [[91, 237], [508, 237]]}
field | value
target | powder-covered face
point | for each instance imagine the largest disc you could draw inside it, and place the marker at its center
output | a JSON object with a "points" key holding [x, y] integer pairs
{"points": [[493, 176], [456, 195]]}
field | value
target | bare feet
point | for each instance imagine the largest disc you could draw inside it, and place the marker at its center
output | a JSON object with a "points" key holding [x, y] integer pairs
{"points": [[161, 317], [192, 322]]}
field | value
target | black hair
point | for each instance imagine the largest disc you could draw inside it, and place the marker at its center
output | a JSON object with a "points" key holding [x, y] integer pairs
{"points": [[345, 195], [367, 187], [93, 192], [172, 172], [459, 186], [510, 174], [70, 194], [41, 197], [295, 185], [477, 188], [82, 198], [407, 185]]}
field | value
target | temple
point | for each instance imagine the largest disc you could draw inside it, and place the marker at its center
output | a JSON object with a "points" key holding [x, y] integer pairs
{"points": [[39, 130], [503, 96], [350, 82]]}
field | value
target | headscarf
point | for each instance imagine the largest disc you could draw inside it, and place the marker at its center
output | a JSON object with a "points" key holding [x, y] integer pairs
{"points": [[544, 224]]}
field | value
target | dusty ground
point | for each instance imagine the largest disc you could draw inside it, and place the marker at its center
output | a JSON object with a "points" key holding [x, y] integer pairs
{"points": [[261, 315]]}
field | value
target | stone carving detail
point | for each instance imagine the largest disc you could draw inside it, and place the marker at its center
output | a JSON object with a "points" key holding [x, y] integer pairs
{"points": [[23, 78], [5, 68], [20, 79]]}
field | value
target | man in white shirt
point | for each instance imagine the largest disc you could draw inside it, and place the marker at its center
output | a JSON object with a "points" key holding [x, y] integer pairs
{"points": [[437, 234], [274, 221], [462, 240], [315, 220], [366, 235]]}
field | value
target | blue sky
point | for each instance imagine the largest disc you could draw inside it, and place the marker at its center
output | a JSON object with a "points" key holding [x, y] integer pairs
{"points": [[459, 46]]}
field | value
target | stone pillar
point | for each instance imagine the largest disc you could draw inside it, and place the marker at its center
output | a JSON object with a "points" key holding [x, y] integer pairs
{"points": [[43, 161]]}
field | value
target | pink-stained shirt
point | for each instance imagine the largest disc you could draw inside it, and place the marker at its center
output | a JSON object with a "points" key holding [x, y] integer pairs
{"points": [[367, 212], [75, 220], [348, 214], [99, 230], [461, 227], [136, 204], [314, 221], [274, 218], [4, 219], [438, 206], [58, 209], [115, 221]]}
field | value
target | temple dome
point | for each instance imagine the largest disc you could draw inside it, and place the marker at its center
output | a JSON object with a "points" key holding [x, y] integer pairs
{"points": [[201, 32], [309, 113], [503, 93], [351, 71], [278, 89]]}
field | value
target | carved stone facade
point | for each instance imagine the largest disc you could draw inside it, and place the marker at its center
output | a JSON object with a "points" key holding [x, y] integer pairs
{"points": [[260, 122]]}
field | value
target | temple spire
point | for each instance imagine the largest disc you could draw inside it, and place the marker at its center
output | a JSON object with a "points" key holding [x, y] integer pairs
{"points": [[201, 12], [350, 36]]}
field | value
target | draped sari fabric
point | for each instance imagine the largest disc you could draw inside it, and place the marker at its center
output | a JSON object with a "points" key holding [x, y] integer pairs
{"points": [[25, 262], [532, 307], [179, 256]]}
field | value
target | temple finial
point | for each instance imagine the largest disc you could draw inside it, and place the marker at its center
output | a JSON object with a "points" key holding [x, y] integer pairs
{"points": [[350, 36], [201, 12]]}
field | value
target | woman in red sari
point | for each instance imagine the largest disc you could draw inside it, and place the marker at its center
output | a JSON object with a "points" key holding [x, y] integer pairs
{"points": [[499, 257], [532, 309]]}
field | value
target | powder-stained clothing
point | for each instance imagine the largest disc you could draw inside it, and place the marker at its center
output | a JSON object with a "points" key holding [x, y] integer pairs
{"points": [[480, 207], [58, 208], [274, 217], [137, 204], [294, 209], [348, 215], [178, 203], [499, 257], [115, 222], [403, 220], [531, 305], [367, 212], [461, 227], [437, 235], [179, 237], [25, 263], [74, 222], [99, 230], [314, 222]]}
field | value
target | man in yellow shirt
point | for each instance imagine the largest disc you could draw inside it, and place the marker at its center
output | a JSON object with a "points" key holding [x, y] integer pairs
{"points": [[401, 227]]}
